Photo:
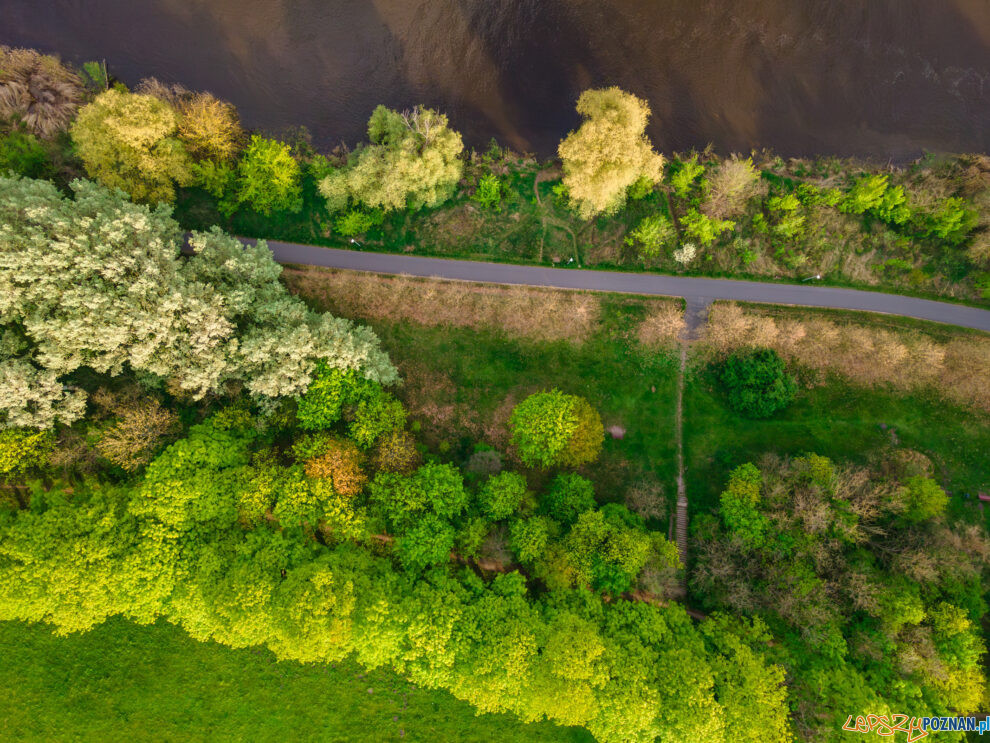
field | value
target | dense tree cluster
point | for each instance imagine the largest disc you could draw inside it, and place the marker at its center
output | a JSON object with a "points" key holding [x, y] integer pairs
{"points": [[877, 600], [246, 541], [96, 282]]}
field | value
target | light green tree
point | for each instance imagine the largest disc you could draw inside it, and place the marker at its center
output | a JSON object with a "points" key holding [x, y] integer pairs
{"points": [[502, 494], [97, 282], [609, 152], [413, 161], [130, 141], [269, 177], [553, 428]]}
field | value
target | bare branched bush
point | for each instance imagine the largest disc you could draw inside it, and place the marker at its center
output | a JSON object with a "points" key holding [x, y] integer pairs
{"points": [[39, 90], [662, 325], [646, 498], [731, 187], [140, 430], [172, 93]]}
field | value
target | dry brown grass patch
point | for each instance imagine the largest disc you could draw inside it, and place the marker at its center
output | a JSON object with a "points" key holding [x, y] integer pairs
{"points": [[867, 354], [538, 314], [663, 324]]}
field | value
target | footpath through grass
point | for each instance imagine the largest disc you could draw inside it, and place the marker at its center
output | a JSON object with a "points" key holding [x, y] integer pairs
{"points": [[154, 683]]}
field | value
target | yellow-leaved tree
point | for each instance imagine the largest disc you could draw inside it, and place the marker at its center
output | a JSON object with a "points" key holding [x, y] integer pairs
{"points": [[609, 152], [129, 141], [210, 128]]}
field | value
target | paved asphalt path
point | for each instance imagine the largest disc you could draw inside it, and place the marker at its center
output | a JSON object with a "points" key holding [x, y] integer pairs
{"points": [[695, 290]]}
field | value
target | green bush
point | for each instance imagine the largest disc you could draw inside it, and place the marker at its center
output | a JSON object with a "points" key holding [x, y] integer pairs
{"points": [[323, 402], [705, 229], [757, 383], [923, 499], [357, 222], [552, 428], [951, 221], [428, 543], [502, 494], [685, 175], [269, 177], [489, 192], [376, 415], [528, 538], [22, 153], [652, 235], [568, 497]]}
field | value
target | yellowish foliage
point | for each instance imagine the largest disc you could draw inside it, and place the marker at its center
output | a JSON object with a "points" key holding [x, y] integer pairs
{"points": [[662, 325], [128, 141], [609, 152], [867, 354], [210, 128]]}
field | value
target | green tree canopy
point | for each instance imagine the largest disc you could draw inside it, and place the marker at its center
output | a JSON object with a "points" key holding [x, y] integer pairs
{"points": [[553, 428], [413, 161], [757, 382], [502, 494], [269, 178]]}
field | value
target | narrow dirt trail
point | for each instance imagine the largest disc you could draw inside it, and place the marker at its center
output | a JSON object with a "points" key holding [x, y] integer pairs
{"points": [[695, 317], [682, 502]]}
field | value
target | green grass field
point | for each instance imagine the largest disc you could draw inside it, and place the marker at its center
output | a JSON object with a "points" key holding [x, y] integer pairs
{"points": [[841, 421], [474, 372], [123, 682]]}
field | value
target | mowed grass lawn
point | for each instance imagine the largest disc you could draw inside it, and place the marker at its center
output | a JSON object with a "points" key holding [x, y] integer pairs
{"points": [[840, 420], [124, 682]]}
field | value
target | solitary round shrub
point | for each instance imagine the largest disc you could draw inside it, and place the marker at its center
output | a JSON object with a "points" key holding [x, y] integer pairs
{"points": [[923, 499], [552, 428], [757, 383]]}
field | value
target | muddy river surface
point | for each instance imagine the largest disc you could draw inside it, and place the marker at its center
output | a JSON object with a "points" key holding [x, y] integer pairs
{"points": [[887, 78]]}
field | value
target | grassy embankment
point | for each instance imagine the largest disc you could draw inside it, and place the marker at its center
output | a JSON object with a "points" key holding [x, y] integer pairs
{"points": [[869, 384], [534, 224], [467, 352], [126, 682]]}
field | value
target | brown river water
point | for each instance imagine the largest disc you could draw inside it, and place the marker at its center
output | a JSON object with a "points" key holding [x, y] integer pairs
{"points": [[885, 78]]}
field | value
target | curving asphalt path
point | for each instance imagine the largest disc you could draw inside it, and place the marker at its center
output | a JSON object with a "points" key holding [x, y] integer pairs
{"points": [[698, 291]]}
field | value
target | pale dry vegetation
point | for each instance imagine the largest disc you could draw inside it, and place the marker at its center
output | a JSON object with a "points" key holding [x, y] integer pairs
{"points": [[959, 367], [663, 323], [38, 89], [537, 314]]}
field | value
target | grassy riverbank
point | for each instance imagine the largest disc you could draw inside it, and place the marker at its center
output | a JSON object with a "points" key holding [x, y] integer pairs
{"points": [[786, 230], [121, 681]]}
